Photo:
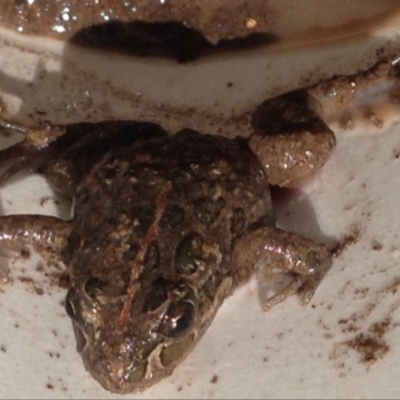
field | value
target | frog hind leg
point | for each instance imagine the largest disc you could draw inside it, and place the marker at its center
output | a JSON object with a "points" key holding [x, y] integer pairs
{"points": [[47, 235], [285, 262], [290, 140], [64, 152]]}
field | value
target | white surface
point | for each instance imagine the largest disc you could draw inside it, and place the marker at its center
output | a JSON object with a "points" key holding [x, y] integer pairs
{"points": [[290, 352]]}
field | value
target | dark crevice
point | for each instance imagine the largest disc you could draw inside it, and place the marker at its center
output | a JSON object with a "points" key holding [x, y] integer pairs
{"points": [[167, 39]]}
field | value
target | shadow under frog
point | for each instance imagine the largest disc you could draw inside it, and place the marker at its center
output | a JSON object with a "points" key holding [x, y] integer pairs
{"points": [[164, 228]]}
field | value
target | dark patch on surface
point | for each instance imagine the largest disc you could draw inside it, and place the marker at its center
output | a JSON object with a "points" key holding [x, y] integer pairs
{"points": [[214, 379], [62, 280], [370, 345], [162, 39], [346, 240], [376, 245]]}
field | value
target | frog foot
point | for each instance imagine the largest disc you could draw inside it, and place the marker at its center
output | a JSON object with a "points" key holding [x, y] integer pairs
{"points": [[363, 102], [28, 154], [286, 263]]}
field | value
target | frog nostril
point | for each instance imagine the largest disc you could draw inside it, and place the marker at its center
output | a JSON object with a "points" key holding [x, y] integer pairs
{"points": [[93, 287]]}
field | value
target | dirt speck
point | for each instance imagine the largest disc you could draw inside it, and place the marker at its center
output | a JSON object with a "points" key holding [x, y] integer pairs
{"points": [[32, 284], [179, 389], [376, 245], [352, 237], [3, 348], [214, 379], [44, 200], [280, 335], [50, 386], [63, 280], [361, 292], [370, 345]]}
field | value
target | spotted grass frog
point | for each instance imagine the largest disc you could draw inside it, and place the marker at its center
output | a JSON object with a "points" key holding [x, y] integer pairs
{"points": [[165, 227]]}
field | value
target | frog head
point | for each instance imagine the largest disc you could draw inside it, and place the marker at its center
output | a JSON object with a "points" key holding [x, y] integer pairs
{"points": [[132, 333]]}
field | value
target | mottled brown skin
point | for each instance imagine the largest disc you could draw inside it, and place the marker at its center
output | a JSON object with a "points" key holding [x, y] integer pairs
{"points": [[164, 228]]}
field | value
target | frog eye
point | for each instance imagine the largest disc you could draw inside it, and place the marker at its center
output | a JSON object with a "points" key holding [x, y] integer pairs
{"points": [[178, 319]]}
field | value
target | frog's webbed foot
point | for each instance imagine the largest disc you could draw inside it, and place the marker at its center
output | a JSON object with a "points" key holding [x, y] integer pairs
{"points": [[46, 235], [286, 263], [290, 140]]}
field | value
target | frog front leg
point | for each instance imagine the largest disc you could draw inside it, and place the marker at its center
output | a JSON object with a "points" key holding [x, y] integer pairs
{"points": [[46, 234], [282, 254]]}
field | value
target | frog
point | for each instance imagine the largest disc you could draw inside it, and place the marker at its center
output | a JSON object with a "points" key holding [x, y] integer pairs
{"points": [[165, 226]]}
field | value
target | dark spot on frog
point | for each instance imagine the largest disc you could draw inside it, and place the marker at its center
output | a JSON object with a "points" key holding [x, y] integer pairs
{"points": [[152, 257], [94, 286], [173, 216], [188, 254], [207, 210], [131, 253], [157, 295], [144, 217], [238, 222]]}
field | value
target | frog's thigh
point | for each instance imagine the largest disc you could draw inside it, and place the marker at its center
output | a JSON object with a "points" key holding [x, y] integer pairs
{"points": [[290, 140], [44, 233], [286, 259]]}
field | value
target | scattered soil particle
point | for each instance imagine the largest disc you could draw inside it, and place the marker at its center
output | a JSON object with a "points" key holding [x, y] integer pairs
{"points": [[63, 280], [50, 386], [347, 240], [3, 349], [370, 345], [376, 245], [32, 285], [214, 379], [280, 335], [361, 292]]}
